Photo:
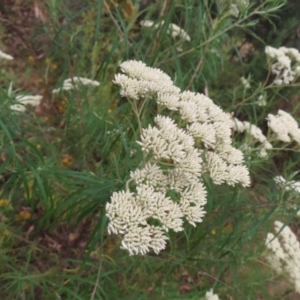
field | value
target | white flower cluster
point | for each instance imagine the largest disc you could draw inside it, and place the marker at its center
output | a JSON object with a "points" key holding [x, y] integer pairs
{"points": [[234, 9], [289, 186], [284, 126], [261, 101], [173, 30], [285, 255], [5, 56], [245, 82], [254, 133], [168, 188], [285, 63], [142, 82], [72, 83], [211, 296], [33, 100]]}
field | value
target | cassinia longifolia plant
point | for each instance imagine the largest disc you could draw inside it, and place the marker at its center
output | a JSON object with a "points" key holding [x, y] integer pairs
{"points": [[285, 256], [177, 153]]}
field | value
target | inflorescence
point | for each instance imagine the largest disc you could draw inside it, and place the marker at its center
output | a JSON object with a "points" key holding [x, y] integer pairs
{"points": [[282, 128], [168, 186], [285, 248], [285, 64]]}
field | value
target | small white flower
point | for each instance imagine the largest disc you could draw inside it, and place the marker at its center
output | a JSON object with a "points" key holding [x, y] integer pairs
{"points": [[292, 185], [292, 52], [5, 56], [238, 174], [284, 126], [255, 132], [192, 200], [167, 141], [173, 30], [18, 107], [230, 154], [261, 101], [286, 253], [285, 63], [156, 205], [141, 81], [176, 31], [179, 179], [123, 212], [139, 240], [237, 125], [234, 11], [245, 83], [33, 100], [147, 23], [151, 175], [297, 70], [170, 101], [205, 132], [276, 125], [211, 296], [217, 168], [73, 83]]}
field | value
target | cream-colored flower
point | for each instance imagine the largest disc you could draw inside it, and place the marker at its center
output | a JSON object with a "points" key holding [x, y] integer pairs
{"points": [[211, 296], [284, 126], [73, 83], [234, 11], [168, 186], [285, 63], [245, 83], [285, 252], [5, 56], [261, 101], [174, 30], [33, 100]]}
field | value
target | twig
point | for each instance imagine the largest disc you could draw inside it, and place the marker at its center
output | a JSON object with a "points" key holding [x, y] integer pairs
{"points": [[246, 207], [163, 8], [158, 35], [195, 73], [115, 22], [97, 280]]}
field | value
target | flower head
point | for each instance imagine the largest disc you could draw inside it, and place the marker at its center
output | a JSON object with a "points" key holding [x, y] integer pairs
{"points": [[173, 29], [33, 100], [5, 56], [284, 126], [73, 83], [211, 296], [285, 255], [285, 63], [167, 188]]}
